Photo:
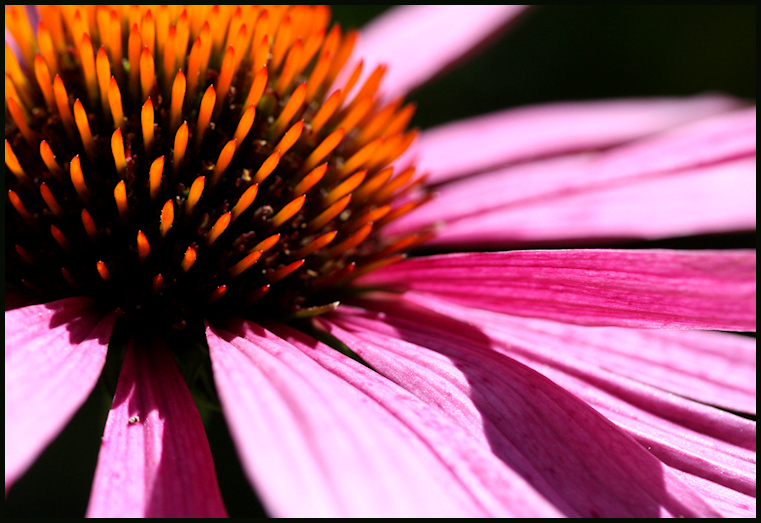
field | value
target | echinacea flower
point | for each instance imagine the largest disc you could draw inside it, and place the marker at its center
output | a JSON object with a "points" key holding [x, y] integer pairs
{"points": [[225, 190]]}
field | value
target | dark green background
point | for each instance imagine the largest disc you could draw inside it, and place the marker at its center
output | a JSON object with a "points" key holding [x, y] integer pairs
{"points": [[554, 53]]}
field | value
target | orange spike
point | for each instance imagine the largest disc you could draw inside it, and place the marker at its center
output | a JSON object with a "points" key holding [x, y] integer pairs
{"points": [[371, 84], [288, 211], [103, 271], [351, 81], [378, 122], [89, 225], [225, 157], [204, 114], [13, 164], [120, 196], [322, 150], [148, 32], [360, 158], [154, 176], [350, 242], [157, 284], [310, 179], [290, 69], [317, 77], [218, 228], [290, 138], [78, 179], [59, 237], [87, 60], [17, 114], [178, 99], [167, 217], [25, 255], [267, 243], [194, 67], [355, 114], [83, 125], [328, 214], [180, 144], [115, 103], [196, 189], [344, 188], [47, 48], [42, 73], [315, 245], [400, 121], [326, 111], [68, 277], [117, 151], [244, 125], [62, 103], [257, 294], [50, 200], [147, 119], [188, 259], [225, 77], [143, 247], [267, 167], [289, 111], [170, 56], [370, 216], [19, 206], [257, 88], [246, 199], [282, 272], [46, 153], [244, 264], [134, 50], [217, 293], [114, 37], [103, 72], [373, 184], [398, 182]]}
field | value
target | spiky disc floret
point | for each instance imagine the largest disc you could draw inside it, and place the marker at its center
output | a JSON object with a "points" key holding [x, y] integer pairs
{"points": [[177, 159]]}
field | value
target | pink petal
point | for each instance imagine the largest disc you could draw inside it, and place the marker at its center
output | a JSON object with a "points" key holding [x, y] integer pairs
{"points": [[693, 149], [54, 354], [314, 445], [416, 42], [155, 460], [500, 490], [571, 454], [713, 450], [652, 289], [712, 199], [526, 133]]}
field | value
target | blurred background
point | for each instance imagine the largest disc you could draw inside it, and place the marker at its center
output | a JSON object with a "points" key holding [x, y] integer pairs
{"points": [[552, 54]]}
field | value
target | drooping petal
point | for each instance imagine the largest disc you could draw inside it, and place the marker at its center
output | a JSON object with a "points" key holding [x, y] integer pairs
{"points": [[480, 472], [710, 367], [712, 199], [54, 354], [571, 454], [312, 444], [533, 132], [484, 202], [155, 459], [416, 42], [651, 289], [711, 450]]}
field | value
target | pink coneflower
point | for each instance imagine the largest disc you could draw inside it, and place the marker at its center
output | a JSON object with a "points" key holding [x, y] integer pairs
{"points": [[230, 191]]}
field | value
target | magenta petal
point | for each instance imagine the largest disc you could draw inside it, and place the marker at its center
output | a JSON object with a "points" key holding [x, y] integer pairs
{"points": [[499, 489], [711, 199], [532, 132], [652, 288], [571, 454], [314, 445], [54, 354], [711, 450], [416, 42], [155, 459]]}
